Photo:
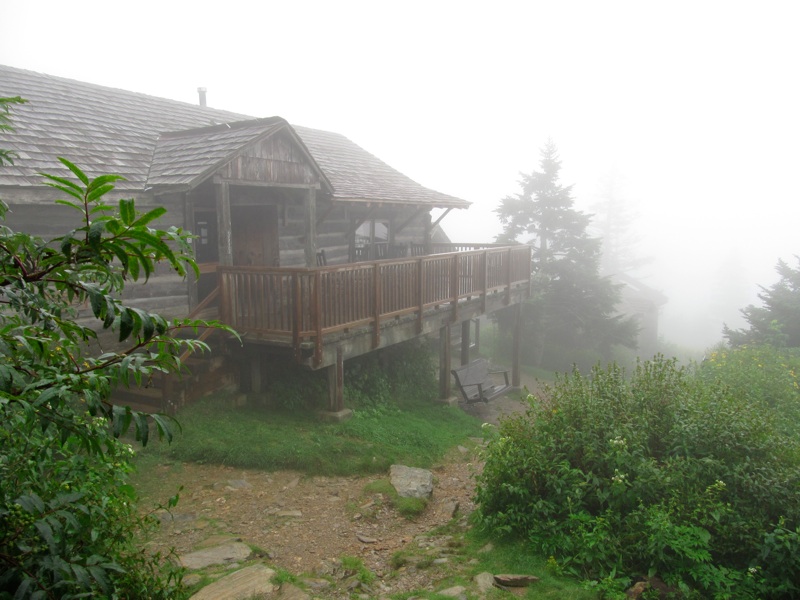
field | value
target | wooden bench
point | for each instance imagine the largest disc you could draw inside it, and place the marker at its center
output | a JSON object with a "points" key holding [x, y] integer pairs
{"points": [[476, 383]]}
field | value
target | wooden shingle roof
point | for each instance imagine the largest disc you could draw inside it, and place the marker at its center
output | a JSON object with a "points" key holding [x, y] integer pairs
{"points": [[185, 158], [144, 139]]}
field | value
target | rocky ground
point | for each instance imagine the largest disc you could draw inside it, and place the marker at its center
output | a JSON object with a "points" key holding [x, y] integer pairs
{"points": [[305, 525]]}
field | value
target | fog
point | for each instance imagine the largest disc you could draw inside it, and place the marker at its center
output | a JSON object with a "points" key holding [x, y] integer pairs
{"points": [[691, 107]]}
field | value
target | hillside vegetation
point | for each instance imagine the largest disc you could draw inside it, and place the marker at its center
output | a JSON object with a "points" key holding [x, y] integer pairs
{"points": [[688, 474]]}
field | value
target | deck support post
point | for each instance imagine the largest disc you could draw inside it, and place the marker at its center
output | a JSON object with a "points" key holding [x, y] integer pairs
{"points": [[444, 361], [465, 331], [255, 373], [515, 378], [336, 382]]}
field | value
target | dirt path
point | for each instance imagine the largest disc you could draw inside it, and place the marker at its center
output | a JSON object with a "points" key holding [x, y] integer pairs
{"points": [[302, 524]]}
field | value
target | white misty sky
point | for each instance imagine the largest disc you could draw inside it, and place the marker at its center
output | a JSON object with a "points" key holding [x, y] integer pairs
{"points": [[694, 105]]}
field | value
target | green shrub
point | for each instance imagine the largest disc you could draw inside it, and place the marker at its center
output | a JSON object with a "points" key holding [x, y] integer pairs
{"points": [[661, 473], [761, 375], [67, 523]]}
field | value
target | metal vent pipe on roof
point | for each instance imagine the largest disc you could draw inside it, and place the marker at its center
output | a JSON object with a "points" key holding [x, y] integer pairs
{"points": [[202, 93]]}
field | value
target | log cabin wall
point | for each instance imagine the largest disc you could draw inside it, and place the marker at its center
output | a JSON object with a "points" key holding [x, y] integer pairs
{"points": [[165, 292]]}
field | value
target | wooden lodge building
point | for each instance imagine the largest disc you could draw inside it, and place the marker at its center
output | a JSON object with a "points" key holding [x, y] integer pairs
{"points": [[313, 249]]}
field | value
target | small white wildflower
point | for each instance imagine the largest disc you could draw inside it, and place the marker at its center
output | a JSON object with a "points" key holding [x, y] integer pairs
{"points": [[618, 477]]}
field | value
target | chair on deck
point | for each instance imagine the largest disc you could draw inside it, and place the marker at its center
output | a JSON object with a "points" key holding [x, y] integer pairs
{"points": [[322, 260]]}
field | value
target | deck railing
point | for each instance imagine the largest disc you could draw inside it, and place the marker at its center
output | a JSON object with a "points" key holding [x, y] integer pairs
{"points": [[305, 304]]}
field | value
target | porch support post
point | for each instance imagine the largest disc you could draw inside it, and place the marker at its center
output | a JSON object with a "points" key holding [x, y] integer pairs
{"points": [[255, 373], [444, 361], [465, 331], [336, 382], [428, 231], [515, 379], [310, 210], [224, 224], [478, 336]]}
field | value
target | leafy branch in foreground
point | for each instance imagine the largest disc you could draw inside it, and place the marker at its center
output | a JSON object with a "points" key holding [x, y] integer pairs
{"points": [[8, 156], [67, 519]]}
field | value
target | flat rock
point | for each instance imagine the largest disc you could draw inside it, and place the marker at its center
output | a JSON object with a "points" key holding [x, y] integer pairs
{"points": [[216, 555], [239, 484], [450, 508], [411, 482], [484, 581], [456, 591], [292, 592], [239, 585], [510, 580]]}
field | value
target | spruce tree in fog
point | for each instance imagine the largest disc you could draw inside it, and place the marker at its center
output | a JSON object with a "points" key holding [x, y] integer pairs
{"points": [[777, 322], [571, 316]]}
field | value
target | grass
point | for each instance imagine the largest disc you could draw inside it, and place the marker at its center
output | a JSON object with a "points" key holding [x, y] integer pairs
{"points": [[418, 434]]}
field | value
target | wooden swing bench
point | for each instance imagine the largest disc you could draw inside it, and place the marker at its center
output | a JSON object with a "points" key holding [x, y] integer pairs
{"points": [[476, 383]]}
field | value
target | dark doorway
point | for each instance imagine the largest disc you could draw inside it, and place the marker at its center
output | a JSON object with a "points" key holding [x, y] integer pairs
{"points": [[255, 236]]}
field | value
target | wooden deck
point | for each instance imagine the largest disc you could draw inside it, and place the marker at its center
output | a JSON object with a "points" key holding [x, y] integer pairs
{"points": [[302, 307]]}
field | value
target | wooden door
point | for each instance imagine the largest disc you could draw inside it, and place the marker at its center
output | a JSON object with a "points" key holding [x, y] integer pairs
{"points": [[255, 236]]}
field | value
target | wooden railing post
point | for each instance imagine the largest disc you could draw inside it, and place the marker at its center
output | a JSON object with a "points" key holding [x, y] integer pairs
{"points": [[420, 294], [297, 314], [317, 318], [224, 299], [454, 285], [485, 280], [508, 277], [376, 308]]}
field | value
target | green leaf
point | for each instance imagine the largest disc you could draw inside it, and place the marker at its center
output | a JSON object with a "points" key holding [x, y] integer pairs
{"points": [[104, 180], [96, 299], [142, 427], [164, 425], [150, 216], [82, 576], [75, 205], [95, 233], [126, 324], [127, 211], [31, 503], [110, 311], [71, 187], [148, 327], [46, 532], [99, 192], [119, 252], [75, 170]]}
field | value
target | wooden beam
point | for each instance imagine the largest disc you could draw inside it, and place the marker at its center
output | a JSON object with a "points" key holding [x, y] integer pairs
{"points": [[439, 220], [444, 361], [310, 214], [359, 222], [255, 373], [411, 219], [224, 224], [269, 184], [515, 355], [465, 331], [336, 382]]}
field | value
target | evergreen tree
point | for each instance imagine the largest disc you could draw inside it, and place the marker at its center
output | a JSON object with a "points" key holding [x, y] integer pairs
{"points": [[571, 316], [777, 322]]}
